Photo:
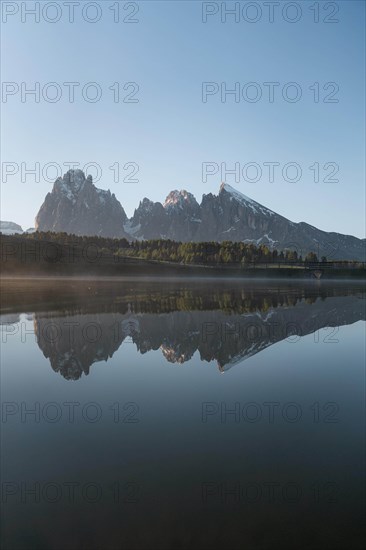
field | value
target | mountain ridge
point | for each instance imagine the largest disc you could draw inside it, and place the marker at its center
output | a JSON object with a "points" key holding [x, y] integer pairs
{"points": [[76, 206]]}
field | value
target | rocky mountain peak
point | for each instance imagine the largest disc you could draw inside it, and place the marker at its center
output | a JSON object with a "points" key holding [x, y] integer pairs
{"points": [[76, 206], [146, 205], [234, 195], [179, 199], [71, 184]]}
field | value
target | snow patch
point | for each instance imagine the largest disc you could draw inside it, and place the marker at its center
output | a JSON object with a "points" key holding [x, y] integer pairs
{"points": [[246, 201], [130, 229]]}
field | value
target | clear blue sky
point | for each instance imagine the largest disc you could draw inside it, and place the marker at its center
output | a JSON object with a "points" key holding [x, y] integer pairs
{"points": [[170, 132]]}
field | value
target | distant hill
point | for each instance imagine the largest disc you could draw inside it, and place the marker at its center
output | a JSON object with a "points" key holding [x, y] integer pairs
{"points": [[10, 228]]}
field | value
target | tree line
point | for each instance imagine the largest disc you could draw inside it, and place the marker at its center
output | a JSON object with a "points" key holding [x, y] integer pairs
{"points": [[165, 250]]}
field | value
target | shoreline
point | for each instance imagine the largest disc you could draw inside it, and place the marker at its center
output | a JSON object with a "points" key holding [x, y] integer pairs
{"points": [[188, 272], [182, 278]]}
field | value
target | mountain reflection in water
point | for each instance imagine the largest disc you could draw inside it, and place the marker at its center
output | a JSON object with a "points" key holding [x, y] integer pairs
{"points": [[225, 324]]}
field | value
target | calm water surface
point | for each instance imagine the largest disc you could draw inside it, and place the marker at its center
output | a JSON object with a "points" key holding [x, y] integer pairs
{"points": [[146, 415]]}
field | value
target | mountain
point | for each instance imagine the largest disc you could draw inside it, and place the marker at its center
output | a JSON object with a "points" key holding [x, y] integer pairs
{"points": [[10, 228], [236, 217], [177, 219], [232, 216], [75, 205], [149, 219]]}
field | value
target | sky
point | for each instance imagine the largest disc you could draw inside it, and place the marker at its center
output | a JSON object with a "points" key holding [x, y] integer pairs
{"points": [[296, 146]]}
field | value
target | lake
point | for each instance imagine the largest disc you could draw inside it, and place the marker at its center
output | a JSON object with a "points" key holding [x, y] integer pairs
{"points": [[182, 414]]}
